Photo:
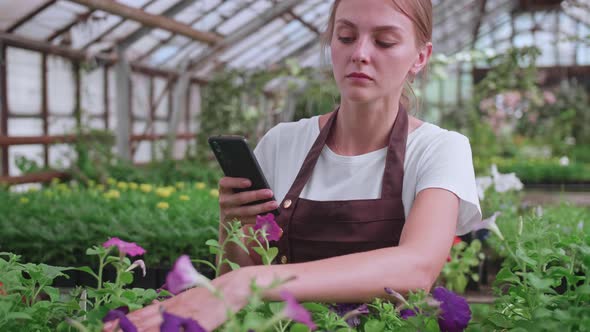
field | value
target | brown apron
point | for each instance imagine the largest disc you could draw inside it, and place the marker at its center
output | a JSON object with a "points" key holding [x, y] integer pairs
{"points": [[315, 230]]}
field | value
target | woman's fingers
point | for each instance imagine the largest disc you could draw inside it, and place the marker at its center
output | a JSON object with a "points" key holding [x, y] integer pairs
{"points": [[243, 212], [226, 184], [231, 200]]}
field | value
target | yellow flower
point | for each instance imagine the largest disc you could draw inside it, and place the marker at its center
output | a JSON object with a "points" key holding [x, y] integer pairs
{"points": [[48, 193], [164, 192], [133, 185], [91, 183], [214, 192], [100, 187], [112, 194], [54, 181], [200, 185], [122, 185], [184, 198], [111, 181], [180, 185], [33, 189], [146, 188], [23, 200], [163, 205]]}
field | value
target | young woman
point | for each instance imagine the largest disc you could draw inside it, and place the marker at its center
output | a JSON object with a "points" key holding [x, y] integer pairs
{"points": [[370, 196]]}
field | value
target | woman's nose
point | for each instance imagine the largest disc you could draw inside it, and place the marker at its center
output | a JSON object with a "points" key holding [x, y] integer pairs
{"points": [[361, 51]]}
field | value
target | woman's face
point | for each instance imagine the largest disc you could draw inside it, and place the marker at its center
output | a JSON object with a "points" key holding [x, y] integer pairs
{"points": [[373, 48]]}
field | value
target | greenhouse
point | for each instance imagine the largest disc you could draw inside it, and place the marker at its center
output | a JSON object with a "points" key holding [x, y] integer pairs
{"points": [[216, 165]]}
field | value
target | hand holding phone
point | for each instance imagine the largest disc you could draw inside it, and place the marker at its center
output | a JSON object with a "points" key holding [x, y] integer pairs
{"points": [[244, 192]]}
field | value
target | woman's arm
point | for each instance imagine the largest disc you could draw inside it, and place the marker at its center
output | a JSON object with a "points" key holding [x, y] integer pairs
{"points": [[415, 264], [425, 243]]}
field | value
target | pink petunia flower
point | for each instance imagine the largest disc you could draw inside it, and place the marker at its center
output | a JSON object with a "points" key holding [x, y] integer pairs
{"points": [[269, 225], [184, 276], [138, 263], [295, 311], [125, 248]]}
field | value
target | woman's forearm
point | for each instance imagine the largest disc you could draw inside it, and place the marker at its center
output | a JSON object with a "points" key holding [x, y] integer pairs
{"points": [[358, 277]]}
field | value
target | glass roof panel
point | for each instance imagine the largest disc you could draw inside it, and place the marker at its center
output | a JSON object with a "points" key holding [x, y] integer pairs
{"points": [[12, 11]]}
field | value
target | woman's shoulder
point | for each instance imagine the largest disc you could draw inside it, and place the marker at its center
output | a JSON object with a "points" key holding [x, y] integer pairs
{"points": [[430, 134], [300, 128]]}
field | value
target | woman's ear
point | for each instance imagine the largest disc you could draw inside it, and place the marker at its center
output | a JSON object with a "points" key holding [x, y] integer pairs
{"points": [[423, 57]]}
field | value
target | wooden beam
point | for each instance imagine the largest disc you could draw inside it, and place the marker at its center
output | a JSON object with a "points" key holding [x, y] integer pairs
{"points": [[29, 16], [167, 40], [151, 20], [34, 177], [44, 107], [122, 74], [480, 17], [302, 21], [155, 137], [142, 31], [68, 26], [3, 109], [74, 54], [113, 27], [249, 28]]}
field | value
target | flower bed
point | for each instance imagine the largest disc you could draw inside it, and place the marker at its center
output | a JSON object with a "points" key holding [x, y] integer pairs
{"points": [[54, 225]]}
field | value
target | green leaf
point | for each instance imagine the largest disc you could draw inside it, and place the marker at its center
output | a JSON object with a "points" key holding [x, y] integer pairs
{"points": [[52, 292], [539, 283], [126, 278], [374, 326], [272, 253], [18, 315], [315, 307], [234, 266], [298, 327], [212, 243], [259, 251], [87, 270], [276, 307], [525, 258], [506, 275], [253, 320], [240, 244], [500, 320], [129, 295]]}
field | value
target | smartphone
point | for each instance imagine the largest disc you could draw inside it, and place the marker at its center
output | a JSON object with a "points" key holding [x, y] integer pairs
{"points": [[237, 160]]}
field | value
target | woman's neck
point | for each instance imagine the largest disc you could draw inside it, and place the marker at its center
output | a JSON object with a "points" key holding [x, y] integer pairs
{"points": [[362, 128]]}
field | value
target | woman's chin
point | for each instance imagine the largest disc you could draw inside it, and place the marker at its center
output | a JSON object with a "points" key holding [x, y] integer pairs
{"points": [[357, 96]]}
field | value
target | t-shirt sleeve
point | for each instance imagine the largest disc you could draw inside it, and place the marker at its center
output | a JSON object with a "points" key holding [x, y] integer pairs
{"points": [[448, 164], [265, 152]]}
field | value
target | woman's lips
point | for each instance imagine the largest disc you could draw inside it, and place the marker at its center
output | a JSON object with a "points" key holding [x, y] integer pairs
{"points": [[359, 76]]}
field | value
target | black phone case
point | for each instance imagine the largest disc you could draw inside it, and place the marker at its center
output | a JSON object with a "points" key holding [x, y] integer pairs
{"points": [[237, 160]]}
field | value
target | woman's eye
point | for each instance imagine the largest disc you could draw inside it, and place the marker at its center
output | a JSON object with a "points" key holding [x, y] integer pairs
{"points": [[346, 40], [384, 44]]}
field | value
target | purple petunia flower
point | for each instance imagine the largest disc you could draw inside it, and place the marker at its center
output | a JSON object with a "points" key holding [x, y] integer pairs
{"points": [[184, 276], [120, 314], [173, 323], [269, 225], [455, 312], [125, 248], [407, 313], [351, 312], [295, 311]]}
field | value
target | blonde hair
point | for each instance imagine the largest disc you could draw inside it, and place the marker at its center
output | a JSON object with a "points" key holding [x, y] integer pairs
{"points": [[419, 12]]}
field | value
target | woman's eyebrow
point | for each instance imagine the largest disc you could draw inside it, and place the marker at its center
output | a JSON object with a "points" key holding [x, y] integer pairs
{"points": [[380, 28]]}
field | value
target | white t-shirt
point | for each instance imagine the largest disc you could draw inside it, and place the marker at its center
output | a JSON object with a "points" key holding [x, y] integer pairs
{"points": [[435, 158]]}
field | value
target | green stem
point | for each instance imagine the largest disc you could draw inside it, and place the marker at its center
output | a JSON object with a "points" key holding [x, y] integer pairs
{"points": [[272, 321]]}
